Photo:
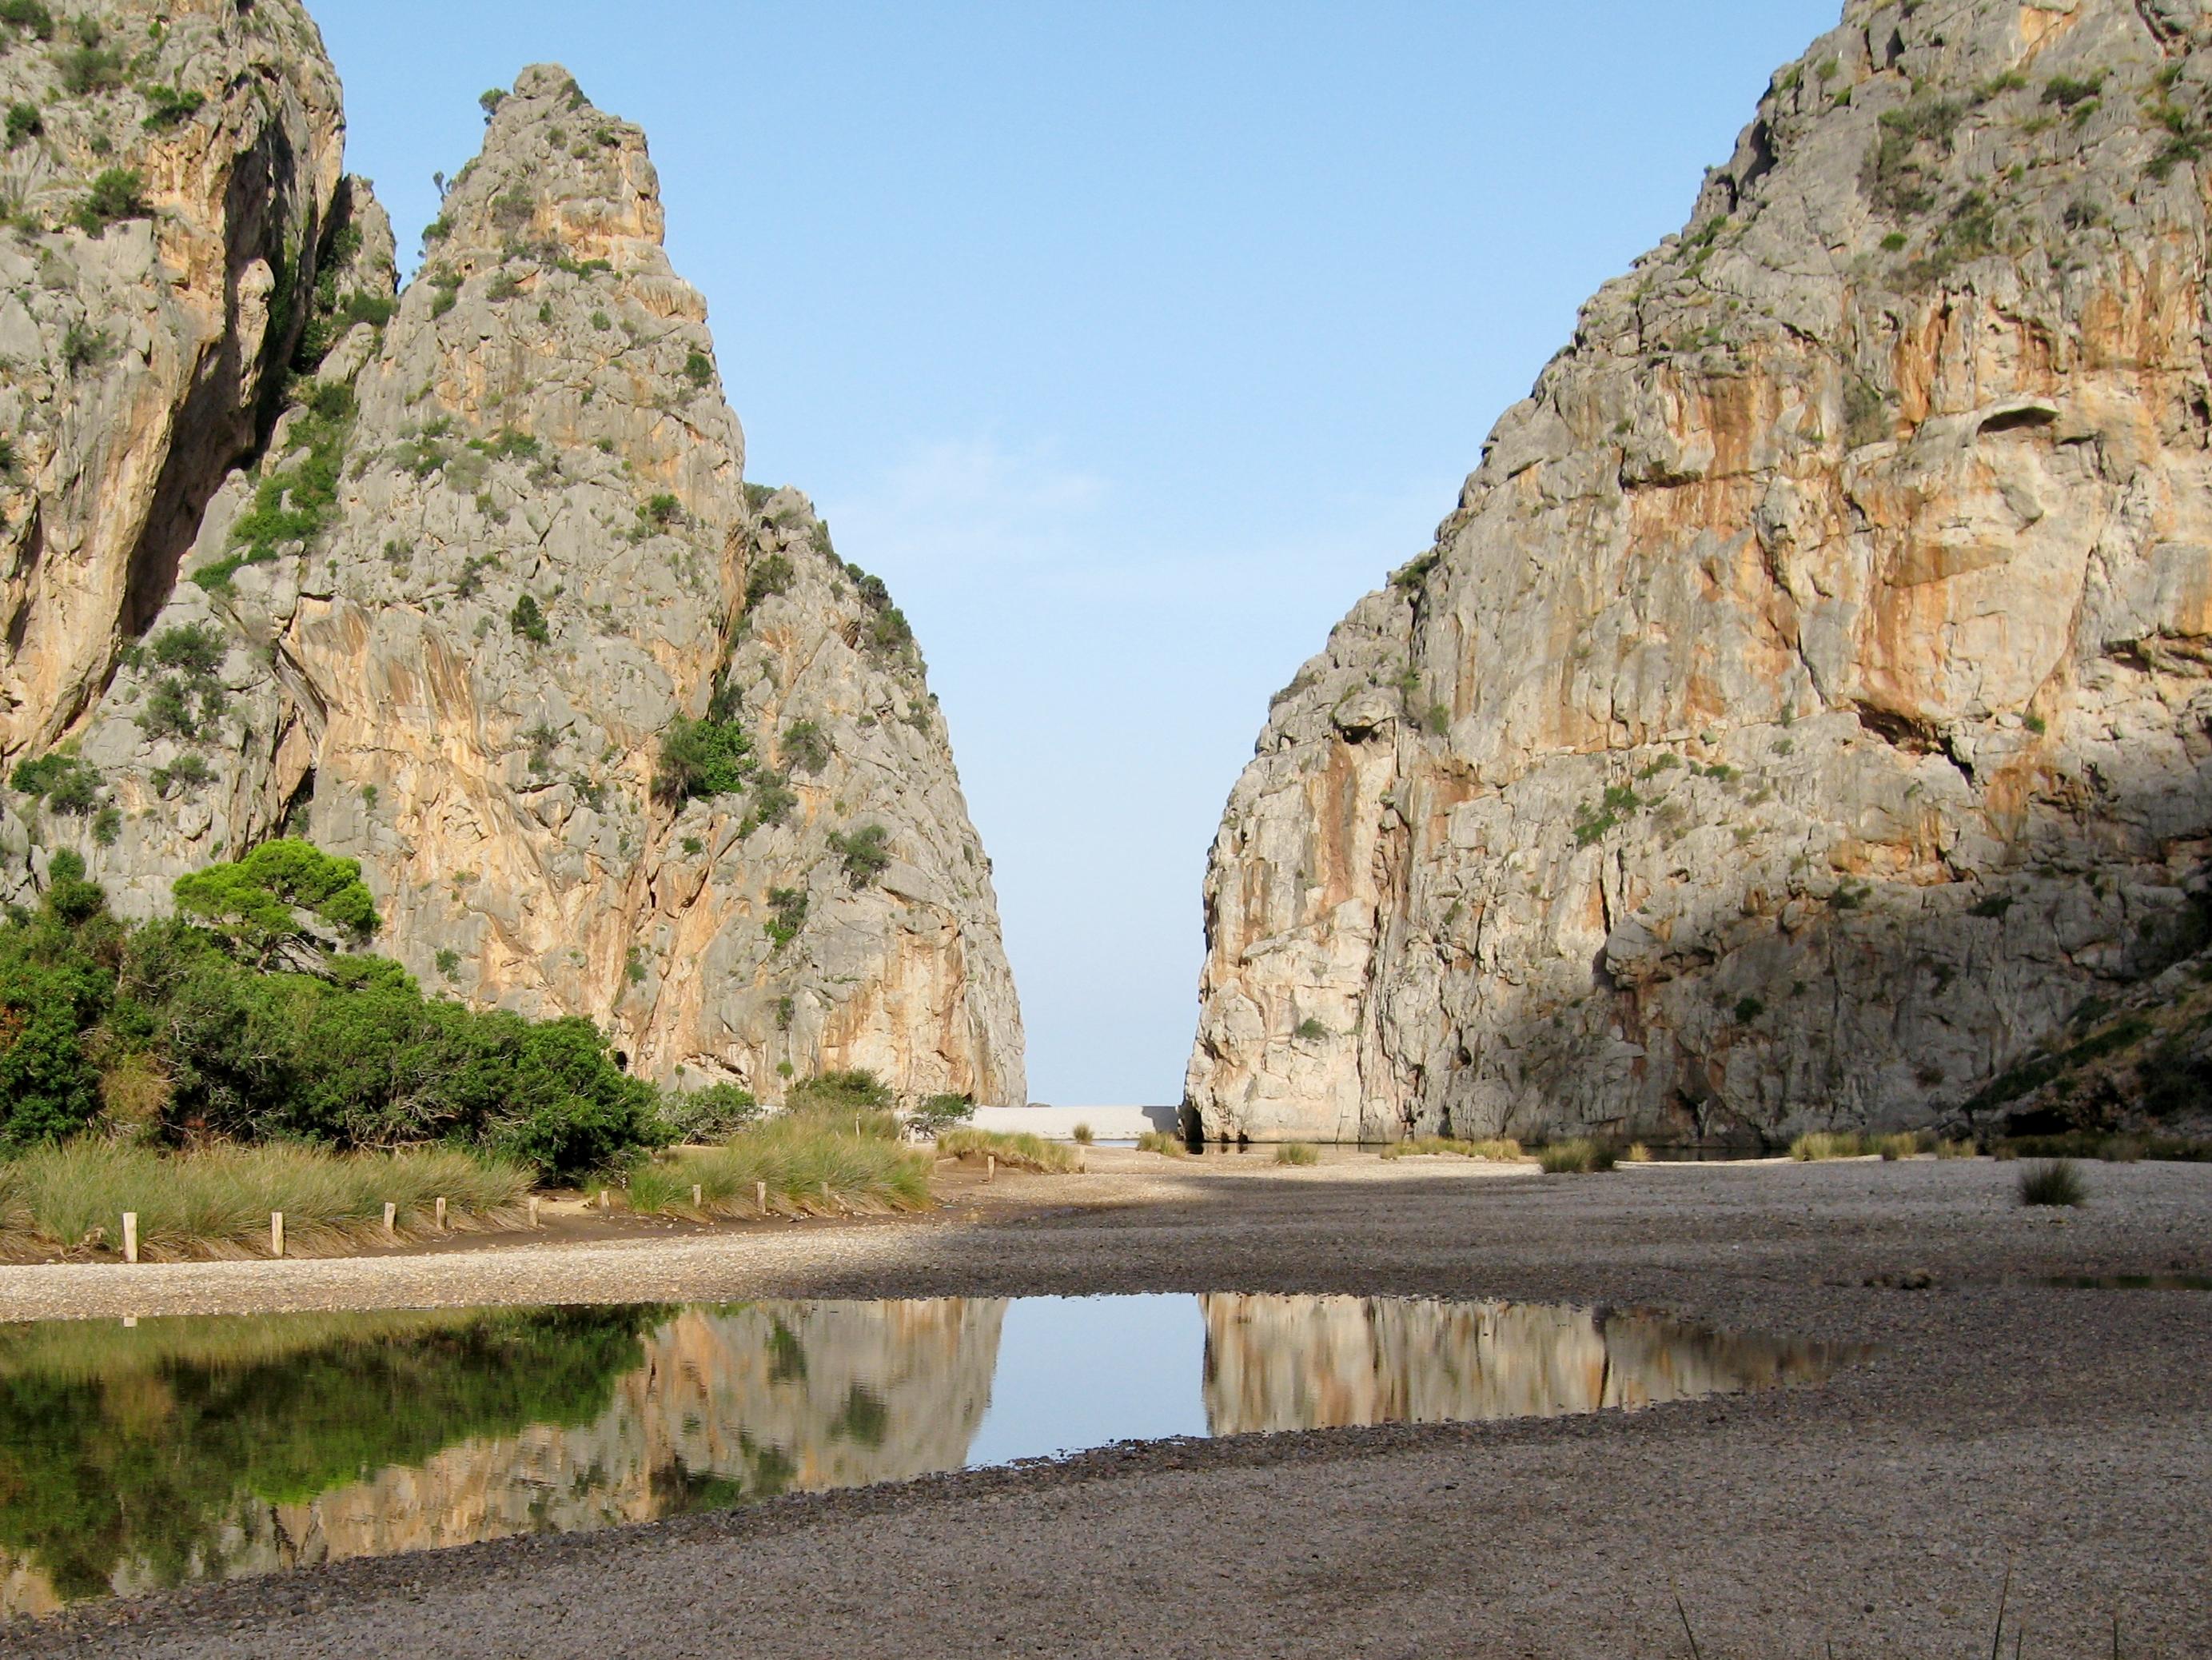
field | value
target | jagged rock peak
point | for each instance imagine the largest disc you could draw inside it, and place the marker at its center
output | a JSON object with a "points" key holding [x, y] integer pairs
{"points": [[498, 552], [556, 173], [1801, 717]]}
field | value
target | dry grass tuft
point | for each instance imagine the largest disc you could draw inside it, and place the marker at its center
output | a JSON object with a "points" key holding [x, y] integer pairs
{"points": [[1017, 1151], [216, 1203], [812, 1166], [1502, 1149], [1297, 1153], [1159, 1141], [2055, 1182], [1582, 1156]]}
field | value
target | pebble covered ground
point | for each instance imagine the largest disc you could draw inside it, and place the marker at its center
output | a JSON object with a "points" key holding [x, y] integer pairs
{"points": [[2004, 1426]]}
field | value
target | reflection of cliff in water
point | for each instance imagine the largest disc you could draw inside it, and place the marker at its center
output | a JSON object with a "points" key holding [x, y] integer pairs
{"points": [[709, 1408], [1289, 1363]]}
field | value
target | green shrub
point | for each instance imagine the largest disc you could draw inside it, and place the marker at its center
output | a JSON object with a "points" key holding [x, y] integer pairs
{"points": [[1310, 1030], [771, 799], [187, 773], [789, 906], [698, 368], [1582, 1156], [29, 15], [83, 345], [805, 748], [256, 902], [527, 620], [767, 577], [940, 1113], [840, 1094], [197, 649], [169, 107], [117, 193], [63, 783], [1297, 1153], [702, 758], [2058, 1181], [863, 851], [90, 68], [449, 961], [712, 1114], [2066, 91], [24, 122]]}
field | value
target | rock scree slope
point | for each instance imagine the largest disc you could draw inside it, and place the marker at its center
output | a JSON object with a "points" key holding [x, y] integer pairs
{"points": [[1803, 718], [492, 609]]}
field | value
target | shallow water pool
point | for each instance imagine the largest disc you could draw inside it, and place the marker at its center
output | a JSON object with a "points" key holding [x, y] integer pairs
{"points": [[168, 1451]]}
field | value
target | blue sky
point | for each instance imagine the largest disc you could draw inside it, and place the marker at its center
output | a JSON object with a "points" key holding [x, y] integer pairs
{"points": [[1130, 343]]}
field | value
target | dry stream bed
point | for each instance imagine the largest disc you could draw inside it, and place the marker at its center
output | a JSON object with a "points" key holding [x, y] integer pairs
{"points": [[1862, 1401]]}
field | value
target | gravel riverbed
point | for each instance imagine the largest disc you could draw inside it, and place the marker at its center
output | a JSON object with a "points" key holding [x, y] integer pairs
{"points": [[2004, 1425]]}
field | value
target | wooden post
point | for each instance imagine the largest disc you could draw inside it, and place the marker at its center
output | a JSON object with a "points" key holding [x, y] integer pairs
{"points": [[760, 1196], [130, 1235], [441, 1216], [990, 1167], [391, 1220], [275, 1233], [698, 1197], [606, 1201], [826, 1199], [533, 1210]]}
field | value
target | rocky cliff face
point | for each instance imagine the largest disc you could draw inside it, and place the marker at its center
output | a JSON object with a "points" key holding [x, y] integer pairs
{"points": [[169, 176], [497, 552], [1804, 714]]}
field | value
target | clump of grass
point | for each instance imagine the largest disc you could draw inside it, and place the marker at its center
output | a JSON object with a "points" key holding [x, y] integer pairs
{"points": [[217, 1203], [1960, 1149], [1297, 1153], [1638, 1153], [1830, 1144], [2053, 1182], [812, 1167], [1159, 1141], [1017, 1150], [1906, 1143], [1501, 1148], [1583, 1155], [1083, 1136]]}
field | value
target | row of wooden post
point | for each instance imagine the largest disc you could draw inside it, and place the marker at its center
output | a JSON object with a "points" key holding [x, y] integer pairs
{"points": [[276, 1227], [391, 1217]]}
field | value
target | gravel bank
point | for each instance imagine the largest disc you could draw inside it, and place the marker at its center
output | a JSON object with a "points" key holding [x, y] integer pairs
{"points": [[2004, 1423]]}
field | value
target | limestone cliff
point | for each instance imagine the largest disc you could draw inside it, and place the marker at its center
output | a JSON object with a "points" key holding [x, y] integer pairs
{"points": [[498, 552], [168, 175], [1805, 711]]}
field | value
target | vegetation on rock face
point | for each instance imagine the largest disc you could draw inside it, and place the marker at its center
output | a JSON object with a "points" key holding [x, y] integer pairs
{"points": [[118, 193], [940, 1113], [704, 759], [863, 851], [293, 502], [65, 783]]}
